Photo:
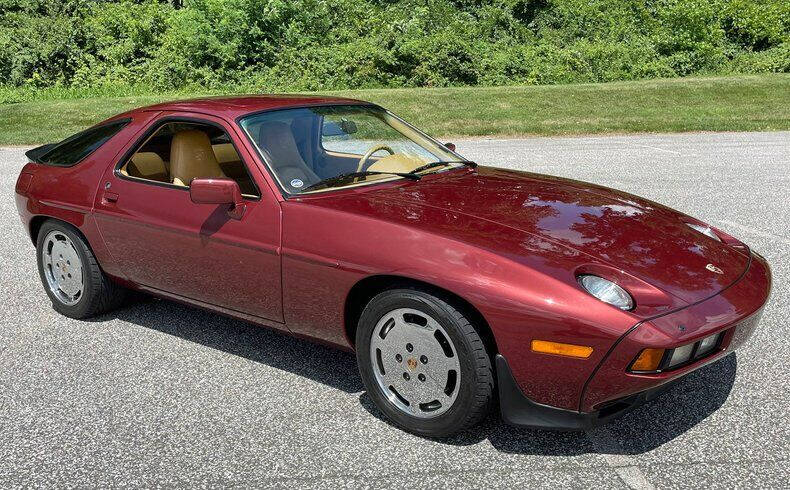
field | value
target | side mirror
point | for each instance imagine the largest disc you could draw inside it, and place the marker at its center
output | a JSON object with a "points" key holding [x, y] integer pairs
{"points": [[450, 146], [343, 127], [348, 127], [218, 191]]}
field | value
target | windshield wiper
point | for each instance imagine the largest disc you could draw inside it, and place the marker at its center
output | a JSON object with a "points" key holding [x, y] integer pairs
{"points": [[442, 164], [339, 179], [413, 174]]}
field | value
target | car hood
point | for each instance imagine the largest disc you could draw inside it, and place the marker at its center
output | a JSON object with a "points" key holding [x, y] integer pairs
{"points": [[642, 238]]}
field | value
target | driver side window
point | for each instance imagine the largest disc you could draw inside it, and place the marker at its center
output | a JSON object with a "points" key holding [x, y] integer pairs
{"points": [[178, 152]]}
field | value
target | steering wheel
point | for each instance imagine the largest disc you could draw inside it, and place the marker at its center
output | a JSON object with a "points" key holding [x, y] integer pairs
{"points": [[369, 153]]}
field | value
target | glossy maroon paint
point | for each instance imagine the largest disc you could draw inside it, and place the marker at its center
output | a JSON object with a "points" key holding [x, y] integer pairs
{"points": [[509, 243], [218, 191], [214, 191], [165, 243]]}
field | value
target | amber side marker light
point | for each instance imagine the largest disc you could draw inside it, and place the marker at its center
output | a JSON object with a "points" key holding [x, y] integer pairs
{"points": [[648, 360], [560, 349]]}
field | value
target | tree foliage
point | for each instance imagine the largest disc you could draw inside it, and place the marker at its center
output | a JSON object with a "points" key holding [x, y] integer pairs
{"points": [[335, 44]]}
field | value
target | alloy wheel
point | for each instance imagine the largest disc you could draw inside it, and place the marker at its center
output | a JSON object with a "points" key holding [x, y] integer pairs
{"points": [[415, 363], [62, 268]]}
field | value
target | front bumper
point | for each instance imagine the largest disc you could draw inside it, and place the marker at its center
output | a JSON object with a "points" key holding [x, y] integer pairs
{"points": [[517, 409], [612, 391]]}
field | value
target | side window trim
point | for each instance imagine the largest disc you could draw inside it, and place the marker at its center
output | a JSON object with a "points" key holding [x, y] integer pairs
{"points": [[152, 130]]}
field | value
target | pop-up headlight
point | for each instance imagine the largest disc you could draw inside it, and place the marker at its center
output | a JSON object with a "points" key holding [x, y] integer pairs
{"points": [[607, 291]]}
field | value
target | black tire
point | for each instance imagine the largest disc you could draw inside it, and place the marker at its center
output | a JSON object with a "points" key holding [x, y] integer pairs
{"points": [[474, 398], [99, 293]]}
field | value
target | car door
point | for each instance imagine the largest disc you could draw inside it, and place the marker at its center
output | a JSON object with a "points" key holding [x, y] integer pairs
{"points": [[165, 242]]}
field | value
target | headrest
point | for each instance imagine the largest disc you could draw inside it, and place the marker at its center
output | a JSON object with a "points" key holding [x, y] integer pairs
{"points": [[147, 164], [277, 139], [191, 156]]}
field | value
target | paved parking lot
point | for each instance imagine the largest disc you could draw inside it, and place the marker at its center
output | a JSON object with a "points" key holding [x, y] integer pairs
{"points": [[162, 394]]}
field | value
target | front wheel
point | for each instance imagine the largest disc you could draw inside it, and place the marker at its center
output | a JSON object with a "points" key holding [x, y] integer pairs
{"points": [[423, 363]]}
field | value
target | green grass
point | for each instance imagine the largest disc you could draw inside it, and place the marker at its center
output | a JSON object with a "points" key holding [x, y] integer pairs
{"points": [[739, 103]]}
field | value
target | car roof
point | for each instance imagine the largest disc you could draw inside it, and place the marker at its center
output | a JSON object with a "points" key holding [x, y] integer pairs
{"points": [[235, 106]]}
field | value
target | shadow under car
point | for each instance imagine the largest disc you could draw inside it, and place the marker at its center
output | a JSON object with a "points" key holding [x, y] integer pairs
{"points": [[685, 404]]}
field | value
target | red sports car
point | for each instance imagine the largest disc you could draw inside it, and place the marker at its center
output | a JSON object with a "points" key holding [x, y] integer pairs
{"points": [[335, 220]]}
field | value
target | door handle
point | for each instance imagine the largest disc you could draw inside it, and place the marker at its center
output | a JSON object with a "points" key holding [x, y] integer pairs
{"points": [[109, 197]]}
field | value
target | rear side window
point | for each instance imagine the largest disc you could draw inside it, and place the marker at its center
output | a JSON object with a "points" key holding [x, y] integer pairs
{"points": [[75, 148]]}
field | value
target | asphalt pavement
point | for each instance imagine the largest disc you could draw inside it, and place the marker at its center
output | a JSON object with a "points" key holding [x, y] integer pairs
{"points": [[160, 394]]}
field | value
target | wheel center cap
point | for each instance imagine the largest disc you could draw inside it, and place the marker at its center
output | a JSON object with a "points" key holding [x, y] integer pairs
{"points": [[411, 363]]}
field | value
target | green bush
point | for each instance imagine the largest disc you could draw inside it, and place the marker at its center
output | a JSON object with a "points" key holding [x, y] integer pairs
{"points": [[338, 44], [772, 60], [42, 41], [757, 25], [121, 40]]}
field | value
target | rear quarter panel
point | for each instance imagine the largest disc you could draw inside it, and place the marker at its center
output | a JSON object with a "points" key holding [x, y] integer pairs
{"points": [[67, 193]]}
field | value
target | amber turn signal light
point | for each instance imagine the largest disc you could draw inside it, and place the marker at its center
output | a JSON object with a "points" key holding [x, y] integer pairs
{"points": [[569, 350], [648, 360]]}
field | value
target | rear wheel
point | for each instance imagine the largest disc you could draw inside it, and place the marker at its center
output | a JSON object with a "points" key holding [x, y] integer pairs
{"points": [[71, 275], [423, 363]]}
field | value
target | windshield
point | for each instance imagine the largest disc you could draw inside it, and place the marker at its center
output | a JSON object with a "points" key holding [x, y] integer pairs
{"points": [[313, 149]]}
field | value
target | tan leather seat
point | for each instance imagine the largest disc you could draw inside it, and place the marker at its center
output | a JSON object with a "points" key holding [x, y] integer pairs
{"points": [[147, 165], [191, 157], [277, 139], [398, 162], [232, 166], [226, 153]]}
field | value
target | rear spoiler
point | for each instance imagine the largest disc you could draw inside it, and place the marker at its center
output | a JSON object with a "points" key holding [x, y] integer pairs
{"points": [[36, 153]]}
